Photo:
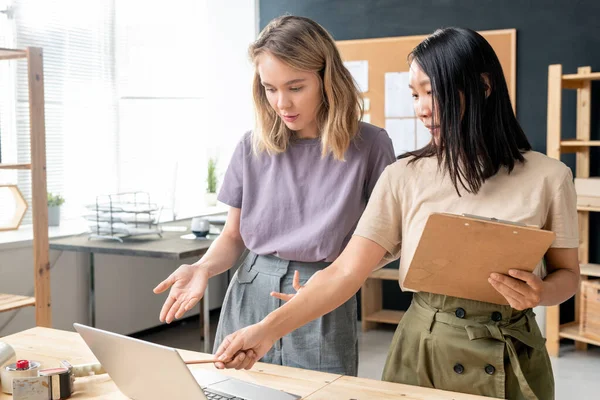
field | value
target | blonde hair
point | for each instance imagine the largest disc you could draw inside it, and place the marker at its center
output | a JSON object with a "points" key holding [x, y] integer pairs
{"points": [[305, 45]]}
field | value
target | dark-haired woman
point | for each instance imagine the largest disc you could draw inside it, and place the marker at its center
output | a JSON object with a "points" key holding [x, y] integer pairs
{"points": [[478, 162]]}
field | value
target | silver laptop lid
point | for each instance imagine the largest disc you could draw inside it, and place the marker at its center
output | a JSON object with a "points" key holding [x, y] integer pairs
{"points": [[141, 370]]}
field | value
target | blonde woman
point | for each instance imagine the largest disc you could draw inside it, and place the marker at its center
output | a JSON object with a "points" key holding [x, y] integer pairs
{"points": [[297, 186]]}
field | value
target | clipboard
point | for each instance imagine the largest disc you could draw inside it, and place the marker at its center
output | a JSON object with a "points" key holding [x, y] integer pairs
{"points": [[457, 253]]}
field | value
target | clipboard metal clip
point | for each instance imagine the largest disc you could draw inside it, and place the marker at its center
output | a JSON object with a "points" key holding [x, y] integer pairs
{"points": [[501, 221]]}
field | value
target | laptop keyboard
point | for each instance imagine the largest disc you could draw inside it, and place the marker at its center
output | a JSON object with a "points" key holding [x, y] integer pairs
{"points": [[214, 395]]}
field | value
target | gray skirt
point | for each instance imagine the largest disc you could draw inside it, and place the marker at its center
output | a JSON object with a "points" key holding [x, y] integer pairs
{"points": [[327, 344]]}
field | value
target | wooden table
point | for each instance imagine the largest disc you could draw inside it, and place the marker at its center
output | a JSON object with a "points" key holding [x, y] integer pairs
{"points": [[171, 246], [50, 346]]}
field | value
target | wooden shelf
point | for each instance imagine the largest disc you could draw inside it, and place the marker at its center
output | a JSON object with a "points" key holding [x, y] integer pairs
{"points": [[12, 302], [386, 274], [371, 300], [578, 81], [588, 208], [571, 331], [590, 270], [579, 143], [10, 54], [34, 81], [385, 316], [592, 76], [15, 166]]}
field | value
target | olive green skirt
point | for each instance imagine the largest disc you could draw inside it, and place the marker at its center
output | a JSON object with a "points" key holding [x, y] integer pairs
{"points": [[471, 347]]}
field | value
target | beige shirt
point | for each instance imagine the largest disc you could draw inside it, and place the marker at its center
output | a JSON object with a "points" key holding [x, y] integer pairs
{"points": [[538, 192]]}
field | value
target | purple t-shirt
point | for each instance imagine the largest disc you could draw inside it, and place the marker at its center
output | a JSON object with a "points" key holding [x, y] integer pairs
{"points": [[299, 206]]}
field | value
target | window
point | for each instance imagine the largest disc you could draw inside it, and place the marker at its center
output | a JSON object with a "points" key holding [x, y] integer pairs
{"points": [[80, 99], [184, 82], [138, 95], [161, 62]]}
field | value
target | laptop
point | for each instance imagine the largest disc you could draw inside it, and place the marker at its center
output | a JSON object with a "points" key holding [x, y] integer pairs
{"points": [[147, 371]]}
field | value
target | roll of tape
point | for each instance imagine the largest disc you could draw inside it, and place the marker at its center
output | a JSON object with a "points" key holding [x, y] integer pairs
{"points": [[10, 372], [7, 354]]}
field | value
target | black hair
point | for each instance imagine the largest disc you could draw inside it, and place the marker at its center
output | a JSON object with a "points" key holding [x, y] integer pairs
{"points": [[476, 144]]}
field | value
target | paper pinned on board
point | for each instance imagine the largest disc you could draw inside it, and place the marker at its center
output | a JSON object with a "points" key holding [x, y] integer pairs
{"points": [[360, 72], [402, 133], [398, 97]]}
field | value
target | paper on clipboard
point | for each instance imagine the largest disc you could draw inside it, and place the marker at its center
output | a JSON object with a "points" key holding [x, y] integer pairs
{"points": [[456, 255]]}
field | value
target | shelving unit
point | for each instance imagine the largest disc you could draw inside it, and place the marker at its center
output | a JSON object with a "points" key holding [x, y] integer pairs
{"points": [[372, 300], [582, 82], [37, 165]]}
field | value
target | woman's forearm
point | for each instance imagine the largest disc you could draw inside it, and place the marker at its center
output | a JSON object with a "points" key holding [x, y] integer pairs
{"points": [[560, 286], [226, 249], [221, 255], [563, 277]]}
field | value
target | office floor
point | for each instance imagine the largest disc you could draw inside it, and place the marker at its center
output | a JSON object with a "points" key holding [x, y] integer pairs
{"points": [[577, 374]]}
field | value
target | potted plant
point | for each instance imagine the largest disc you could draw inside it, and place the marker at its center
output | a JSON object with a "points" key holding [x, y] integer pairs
{"points": [[54, 203], [210, 196]]}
